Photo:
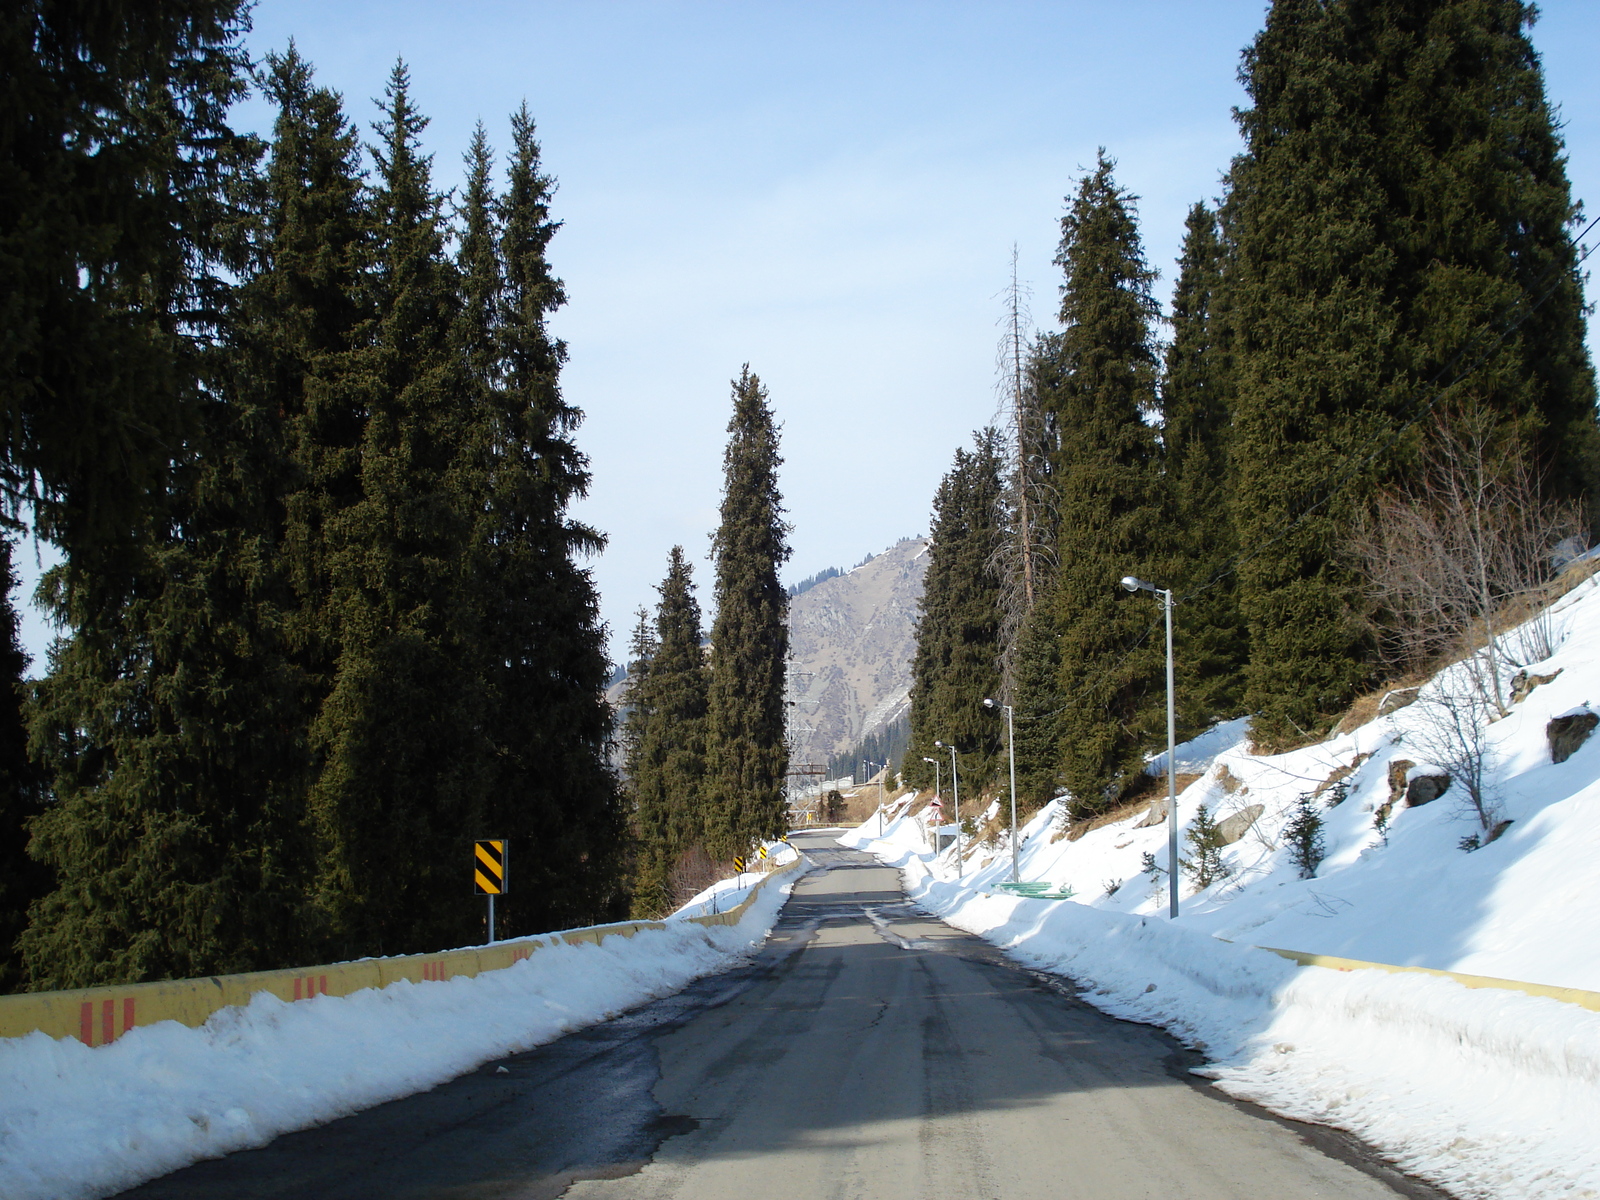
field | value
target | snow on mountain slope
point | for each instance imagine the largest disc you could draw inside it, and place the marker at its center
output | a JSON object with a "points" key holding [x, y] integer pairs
{"points": [[1486, 1092]]}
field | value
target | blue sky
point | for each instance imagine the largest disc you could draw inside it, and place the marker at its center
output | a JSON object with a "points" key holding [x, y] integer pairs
{"points": [[828, 191]]}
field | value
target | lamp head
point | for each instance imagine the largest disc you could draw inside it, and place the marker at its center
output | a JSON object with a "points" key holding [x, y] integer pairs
{"points": [[934, 761], [940, 745], [1130, 583], [988, 702]]}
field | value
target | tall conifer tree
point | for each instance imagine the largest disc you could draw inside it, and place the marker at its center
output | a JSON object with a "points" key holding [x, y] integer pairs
{"points": [[23, 879], [1110, 507], [542, 650], [668, 719], [634, 711], [747, 757], [1401, 215], [308, 336], [1194, 433], [401, 735], [114, 149], [956, 663], [172, 723]]}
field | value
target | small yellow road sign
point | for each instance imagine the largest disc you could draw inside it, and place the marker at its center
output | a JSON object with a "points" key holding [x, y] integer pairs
{"points": [[489, 867], [762, 852], [738, 865]]}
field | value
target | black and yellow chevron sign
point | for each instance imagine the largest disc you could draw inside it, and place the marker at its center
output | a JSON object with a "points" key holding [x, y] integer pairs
{"points": [[762, 852], [489, 867], [738, 865]]}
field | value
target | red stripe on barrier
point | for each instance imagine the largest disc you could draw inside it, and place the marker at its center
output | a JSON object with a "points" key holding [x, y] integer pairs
{"points": [[108, 1023], [86, 1023], [297, 987], [324, 985], [127, 1013]]}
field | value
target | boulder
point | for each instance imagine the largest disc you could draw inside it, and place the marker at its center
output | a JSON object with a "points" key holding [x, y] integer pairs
{"points": [[1569, 731], [1425, 789], [1522, 683], [1413, 790], [1398, 771], [1157, 813], [1231, 828]]}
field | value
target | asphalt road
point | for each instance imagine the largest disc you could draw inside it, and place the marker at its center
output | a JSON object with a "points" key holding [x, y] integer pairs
{"points": [[869, 1052]]}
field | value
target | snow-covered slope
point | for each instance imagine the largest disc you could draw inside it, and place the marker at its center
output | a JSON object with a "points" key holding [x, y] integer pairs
{"points": [[1487, 1092]]}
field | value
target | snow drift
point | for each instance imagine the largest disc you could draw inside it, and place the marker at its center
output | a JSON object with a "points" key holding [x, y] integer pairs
{"points": [[78, 1123], [1486, 1092]]}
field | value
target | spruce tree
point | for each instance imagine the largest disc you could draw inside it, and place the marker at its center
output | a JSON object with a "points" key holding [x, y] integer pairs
{"points": [[401, 736], [746, 754], [308, 336], [114, 147], [541, 643], [668, 720], [172, 724], [956, 663], [172, 731], [1317, 340], [1110, 511], [1194, 434], [635, 710], [1400, 217], [23, 879], [1037, 719], [1483, 215]]}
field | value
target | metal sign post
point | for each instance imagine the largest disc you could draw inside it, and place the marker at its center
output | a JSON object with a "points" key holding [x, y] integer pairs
{"points": [[490, 860]]}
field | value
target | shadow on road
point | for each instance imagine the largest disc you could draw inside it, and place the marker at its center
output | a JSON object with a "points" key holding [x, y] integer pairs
{"points": [[859, 1013]]}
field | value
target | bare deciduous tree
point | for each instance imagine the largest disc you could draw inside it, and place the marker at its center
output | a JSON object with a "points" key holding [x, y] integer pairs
{"points": [[1451, 722], [693, 872], [1025, 558], [1450, 549]]}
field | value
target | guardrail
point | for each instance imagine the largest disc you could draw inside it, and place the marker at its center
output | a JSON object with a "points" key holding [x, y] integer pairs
{"points": [[99, 1015], [1583, 999]]}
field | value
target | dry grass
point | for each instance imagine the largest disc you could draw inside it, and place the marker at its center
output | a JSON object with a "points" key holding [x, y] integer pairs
{"points": [[1134, 801], [1368, 707]]}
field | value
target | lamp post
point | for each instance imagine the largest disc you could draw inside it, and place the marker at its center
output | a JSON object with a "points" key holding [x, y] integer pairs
{"points": [[955, 796], [1139, 585], [935, 763], [1011, 756]]}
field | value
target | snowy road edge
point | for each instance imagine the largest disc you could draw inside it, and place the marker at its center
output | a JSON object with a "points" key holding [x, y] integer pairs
{"points": [[1486, 1093], [79, 1124]]}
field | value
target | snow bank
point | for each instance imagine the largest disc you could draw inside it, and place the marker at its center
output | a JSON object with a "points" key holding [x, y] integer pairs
{"points": [[78, 1123], [727, 894], [1486, 1092]]}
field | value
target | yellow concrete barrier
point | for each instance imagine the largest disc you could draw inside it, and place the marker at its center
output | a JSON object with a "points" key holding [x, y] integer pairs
{"points": [[1583, 999], [102, 1014]]}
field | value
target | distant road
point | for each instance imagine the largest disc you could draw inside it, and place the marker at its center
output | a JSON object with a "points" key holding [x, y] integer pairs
{"points": [[870, 1052]]}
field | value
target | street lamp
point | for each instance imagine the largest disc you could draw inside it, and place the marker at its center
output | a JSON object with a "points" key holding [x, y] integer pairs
{"points": [[1011, 755], [935, 763], [955, 796], [1139, 585]]}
